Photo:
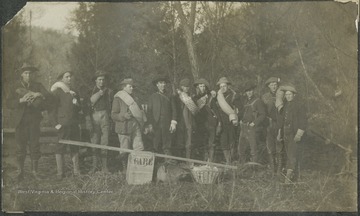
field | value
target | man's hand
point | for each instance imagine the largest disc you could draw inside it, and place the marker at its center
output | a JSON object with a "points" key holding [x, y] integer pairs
{"points": [[252, 124], [298, 135], [278, 137], [128, 115], [172, 128], [37, 94], [218, 130], [27, 98], [58, 126]]}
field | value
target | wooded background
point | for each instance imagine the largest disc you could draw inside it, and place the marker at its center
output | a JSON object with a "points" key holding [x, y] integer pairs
{"points": [[311, 44]]}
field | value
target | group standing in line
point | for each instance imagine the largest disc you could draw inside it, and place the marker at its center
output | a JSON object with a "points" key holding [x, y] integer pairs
{"points": [[182, 124]]}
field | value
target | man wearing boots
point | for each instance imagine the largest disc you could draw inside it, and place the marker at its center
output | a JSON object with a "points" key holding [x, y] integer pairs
{"points": [[228, 119], [162, 116], [206, 119], [186, 109], [101, 99], [129, 119], [27, 117], [293, 124], [251, 124], [275, 152], [66, 118]]}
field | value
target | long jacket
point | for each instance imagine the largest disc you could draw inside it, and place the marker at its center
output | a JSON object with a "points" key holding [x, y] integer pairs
{"points": [[161, 109], [66, 112], [122, 125], [19, 109], [293, 116]]}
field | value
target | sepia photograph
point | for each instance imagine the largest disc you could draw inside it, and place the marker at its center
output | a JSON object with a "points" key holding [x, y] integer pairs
{"points": [[180, 106]]}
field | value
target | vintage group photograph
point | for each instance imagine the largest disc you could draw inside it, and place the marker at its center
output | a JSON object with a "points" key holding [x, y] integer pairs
{"points": [[180, 106]]}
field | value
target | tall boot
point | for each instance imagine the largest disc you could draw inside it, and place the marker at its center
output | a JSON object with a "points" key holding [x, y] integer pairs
{"points": [[59, 166], [75, 160], [273, 164], [104, 164], [227, 155], [94, 164], [211, 155], [34, 169], [20, 171]]}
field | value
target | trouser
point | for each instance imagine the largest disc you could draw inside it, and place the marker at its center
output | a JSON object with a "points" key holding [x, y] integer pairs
{"points": [[101, 129], [183, 141], [248, 137], [162, 138], [132, 140], [27, 133], [291, 148]]}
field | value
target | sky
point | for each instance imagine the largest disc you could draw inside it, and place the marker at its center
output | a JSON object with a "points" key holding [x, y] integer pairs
{"points": [[52, 15]]}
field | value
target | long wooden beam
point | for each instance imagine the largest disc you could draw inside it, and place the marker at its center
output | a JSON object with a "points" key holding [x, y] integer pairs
{"points": [[111, 148]]}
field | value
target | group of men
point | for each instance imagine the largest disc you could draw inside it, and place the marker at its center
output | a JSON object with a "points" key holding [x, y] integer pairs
{"points": [[181, 123]]}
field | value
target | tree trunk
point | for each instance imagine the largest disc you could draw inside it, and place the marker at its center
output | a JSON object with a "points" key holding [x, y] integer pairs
{"points": [[188, 33]]}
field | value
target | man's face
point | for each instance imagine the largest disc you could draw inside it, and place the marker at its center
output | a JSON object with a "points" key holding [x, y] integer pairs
{"points": [[289, 95], [185, 89], [128, 88], [202, 88], [161, 85], [26, 76], [273, 87], [100, 81], [224, 87], [66, 78], [249, 93]]}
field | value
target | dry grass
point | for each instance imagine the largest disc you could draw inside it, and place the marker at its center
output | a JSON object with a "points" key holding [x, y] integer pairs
{"points": [[256, 191]]}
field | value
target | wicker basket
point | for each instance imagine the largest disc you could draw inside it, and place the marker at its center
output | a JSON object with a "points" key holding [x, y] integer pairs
{"points": [[205, 176]]}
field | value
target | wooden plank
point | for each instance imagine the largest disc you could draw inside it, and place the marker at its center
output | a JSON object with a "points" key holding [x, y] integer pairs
{"points": [[111, 148]]}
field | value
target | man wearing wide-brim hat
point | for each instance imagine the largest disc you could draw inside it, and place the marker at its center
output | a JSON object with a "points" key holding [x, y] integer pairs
{"points": [[101, 101], [206, 119], [27, 117], [228, 118], [276, 154], [251, 124], [162, 116], [293, 123]]}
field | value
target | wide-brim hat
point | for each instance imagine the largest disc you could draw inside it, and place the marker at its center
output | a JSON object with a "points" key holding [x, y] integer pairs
{"points": [[288, 87], [100, 73], [61, 74], [27, 67], [249, 86], [223, 80], [160, 78], [127, 81], [272, 80], [202, 81], [185, 82]]}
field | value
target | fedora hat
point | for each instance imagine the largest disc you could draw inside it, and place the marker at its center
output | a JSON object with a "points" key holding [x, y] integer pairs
{"points": [[99, 73], [223, 80], [271, 80], [27, 67], [202, 81], [160, 78], [126, 81], [249, 86]]}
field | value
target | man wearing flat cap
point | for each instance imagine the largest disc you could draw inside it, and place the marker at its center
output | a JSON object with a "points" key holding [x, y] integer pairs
{"points": [[162, 116], [186, 109], [101, 101], [129, 119], [27, 100], [206, 120], [293, 123], [228, 118], [251, 125], [269, 98]]}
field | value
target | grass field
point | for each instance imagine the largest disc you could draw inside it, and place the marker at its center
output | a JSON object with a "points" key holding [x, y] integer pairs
{"points": [[254, 190]]}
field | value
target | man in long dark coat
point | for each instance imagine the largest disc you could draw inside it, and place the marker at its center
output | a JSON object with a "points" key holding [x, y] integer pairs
{"points": [[27, 99]]}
